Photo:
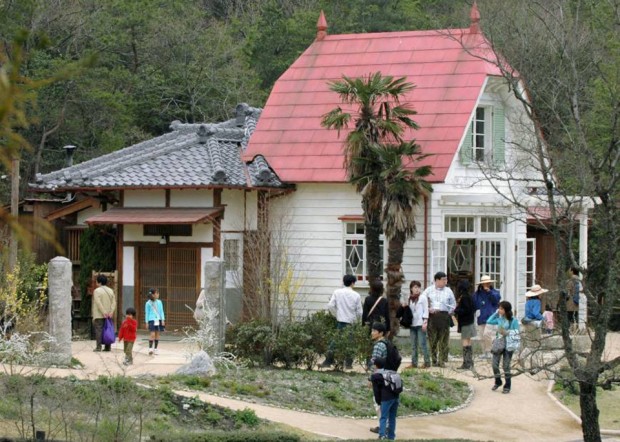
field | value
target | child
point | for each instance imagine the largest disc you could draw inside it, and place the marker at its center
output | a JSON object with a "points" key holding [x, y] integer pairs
{"points": [[127, 333], [387, 399], [548, 316], [154, 318]]}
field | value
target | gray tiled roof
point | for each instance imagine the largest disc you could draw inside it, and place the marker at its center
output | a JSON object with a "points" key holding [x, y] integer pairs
{"points": [[192, 155]]}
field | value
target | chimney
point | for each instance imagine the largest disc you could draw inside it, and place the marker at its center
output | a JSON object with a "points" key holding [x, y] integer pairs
{"points": [[202, 134], [321, 27], [69, 149], [474, 16]]}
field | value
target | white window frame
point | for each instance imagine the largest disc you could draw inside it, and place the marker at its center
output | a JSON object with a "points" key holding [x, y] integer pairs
{"points": [[487, 135], [362, 279], [479, 237], [233, 277]]}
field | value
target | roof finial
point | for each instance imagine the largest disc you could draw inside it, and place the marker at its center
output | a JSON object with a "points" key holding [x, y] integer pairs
{"points": [[321, 27], [474, 16]]}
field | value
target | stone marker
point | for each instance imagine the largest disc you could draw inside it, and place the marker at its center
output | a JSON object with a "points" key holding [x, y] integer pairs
{"points": [[200, 365], [214, 298], [59, 315]]}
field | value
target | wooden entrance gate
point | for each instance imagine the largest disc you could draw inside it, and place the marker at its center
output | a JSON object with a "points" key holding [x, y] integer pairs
{"points": [[175, 271]]}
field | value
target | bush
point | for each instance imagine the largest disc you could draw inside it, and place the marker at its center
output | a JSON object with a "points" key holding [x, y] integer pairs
{"points": [[252, 341], [299, 343]]}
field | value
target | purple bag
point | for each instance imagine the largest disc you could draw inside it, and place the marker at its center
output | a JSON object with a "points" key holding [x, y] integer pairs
{"points": [[108, 337]]}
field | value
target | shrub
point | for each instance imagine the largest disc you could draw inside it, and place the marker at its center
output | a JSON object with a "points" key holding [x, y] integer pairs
{"points": [[293, 345], [252, 341]]}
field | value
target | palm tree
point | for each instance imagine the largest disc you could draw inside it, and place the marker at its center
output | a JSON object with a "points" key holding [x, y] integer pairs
{"points": [[379, 119], [391, 170]]}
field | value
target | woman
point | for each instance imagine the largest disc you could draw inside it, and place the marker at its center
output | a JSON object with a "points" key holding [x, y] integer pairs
{"points": [[533, 306], [417, 304], [154, 318], [505, 322], [486, 300], [465, 313], [375, 308]]}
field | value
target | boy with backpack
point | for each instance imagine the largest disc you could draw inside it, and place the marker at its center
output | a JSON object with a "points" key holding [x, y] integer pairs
{"points": [[385, 350], [386, 387]]}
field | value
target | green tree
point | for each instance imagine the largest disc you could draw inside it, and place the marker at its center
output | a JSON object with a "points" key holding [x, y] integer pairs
{"points": [[403, 186], [564, 69], [379, 118]]}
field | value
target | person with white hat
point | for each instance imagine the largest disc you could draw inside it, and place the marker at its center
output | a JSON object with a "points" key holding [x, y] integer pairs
{"points": [[486, 302], [533, 311]]}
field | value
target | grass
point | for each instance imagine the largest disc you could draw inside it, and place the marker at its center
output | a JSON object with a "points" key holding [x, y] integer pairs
{"points": [[607, 401], [331, 393]]}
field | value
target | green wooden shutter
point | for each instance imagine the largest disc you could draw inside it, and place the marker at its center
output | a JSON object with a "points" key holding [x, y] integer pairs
{"points": [[466, 153], [499, 137]]}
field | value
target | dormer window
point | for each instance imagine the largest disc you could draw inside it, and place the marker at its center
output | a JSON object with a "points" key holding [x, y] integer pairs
{"points": [[484, 142]]}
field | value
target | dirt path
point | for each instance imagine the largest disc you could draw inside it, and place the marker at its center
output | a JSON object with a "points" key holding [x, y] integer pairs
{"points": [[526, 414]]}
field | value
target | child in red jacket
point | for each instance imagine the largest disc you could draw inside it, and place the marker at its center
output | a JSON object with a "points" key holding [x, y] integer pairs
{"points": [[127, 332]]}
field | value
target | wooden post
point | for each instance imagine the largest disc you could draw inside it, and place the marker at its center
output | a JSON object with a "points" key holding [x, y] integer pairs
{"points": [[14, 212]]}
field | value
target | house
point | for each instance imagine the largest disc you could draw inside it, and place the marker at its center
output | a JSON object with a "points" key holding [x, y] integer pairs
{"points": [[176, 200], [204, 190], [468, 121]]}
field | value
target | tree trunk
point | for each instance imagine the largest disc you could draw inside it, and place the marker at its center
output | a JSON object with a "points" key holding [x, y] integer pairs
{"points": [[372, 227], [395, 278], [589, 411]]}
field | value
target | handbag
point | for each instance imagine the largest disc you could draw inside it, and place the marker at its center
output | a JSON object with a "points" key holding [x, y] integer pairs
{"points": [[513, 340], [108, 337], [499, 345]]}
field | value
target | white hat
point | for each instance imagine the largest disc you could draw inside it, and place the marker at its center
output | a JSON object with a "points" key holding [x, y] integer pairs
{"points": [[535, 291], [485, 279]]}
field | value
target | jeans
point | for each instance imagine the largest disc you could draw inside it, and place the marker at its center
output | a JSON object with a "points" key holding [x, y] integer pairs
{"points": [[507, 355], [418, 335], [388, 418]]}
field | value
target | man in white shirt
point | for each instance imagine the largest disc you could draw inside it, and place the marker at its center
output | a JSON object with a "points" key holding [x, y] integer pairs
{"points": [[441, 306], [346, 305]]}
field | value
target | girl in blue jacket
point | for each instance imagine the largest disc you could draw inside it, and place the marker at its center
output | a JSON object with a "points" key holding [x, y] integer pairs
{"points": [[505, 322], [154, 318]]}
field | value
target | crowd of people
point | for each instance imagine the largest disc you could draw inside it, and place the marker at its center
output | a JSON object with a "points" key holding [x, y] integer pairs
{"points": [[429, 317]]}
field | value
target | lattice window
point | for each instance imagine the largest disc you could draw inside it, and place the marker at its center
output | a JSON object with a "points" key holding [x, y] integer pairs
{"points": [[355, 250]]}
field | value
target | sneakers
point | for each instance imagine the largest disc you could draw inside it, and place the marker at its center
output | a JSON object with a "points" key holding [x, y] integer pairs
{"points": [[374, 430], [150, 352], [156, 351], [126, 362], [506, 390], [495, 387]]}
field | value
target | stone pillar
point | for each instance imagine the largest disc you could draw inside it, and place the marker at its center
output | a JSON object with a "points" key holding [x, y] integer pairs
{"points": [[60, 281], [215, 299]]}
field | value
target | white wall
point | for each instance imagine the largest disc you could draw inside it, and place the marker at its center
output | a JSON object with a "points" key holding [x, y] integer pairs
{"points": [[83, 215], [240, 212], [144, 198], [128, 266], [310, 216], [191, 198]]}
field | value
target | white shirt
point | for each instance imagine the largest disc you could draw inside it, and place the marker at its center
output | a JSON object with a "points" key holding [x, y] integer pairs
{"points": [[346, 304], [440, 299], [419, 309]]}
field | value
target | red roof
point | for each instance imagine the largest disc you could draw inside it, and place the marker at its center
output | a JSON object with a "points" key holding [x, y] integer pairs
{"points": [[448, 83]]}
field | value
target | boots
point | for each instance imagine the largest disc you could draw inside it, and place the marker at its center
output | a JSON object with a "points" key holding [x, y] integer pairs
{"points": [[468, 358]]}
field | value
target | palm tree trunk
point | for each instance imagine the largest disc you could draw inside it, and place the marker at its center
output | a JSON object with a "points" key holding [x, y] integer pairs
{"points": [[395, 277], [371, 206]]}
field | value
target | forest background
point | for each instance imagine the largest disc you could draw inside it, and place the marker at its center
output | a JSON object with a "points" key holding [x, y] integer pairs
{"points": [[158, 61]]}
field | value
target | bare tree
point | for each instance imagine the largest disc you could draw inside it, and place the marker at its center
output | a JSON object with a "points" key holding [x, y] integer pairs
{"points": [[561, 61]]}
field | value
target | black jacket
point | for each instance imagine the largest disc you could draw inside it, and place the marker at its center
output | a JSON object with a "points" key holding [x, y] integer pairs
{"points": [[465, 311], [381, 313], [405, 315], [380, 391]]}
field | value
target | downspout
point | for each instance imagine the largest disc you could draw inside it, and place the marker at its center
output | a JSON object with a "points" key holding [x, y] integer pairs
{"points": [[425, 241]]}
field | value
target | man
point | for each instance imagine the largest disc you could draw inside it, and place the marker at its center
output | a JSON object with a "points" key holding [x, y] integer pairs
{"points": [[441, 306], [346, 305], [103, 306]]}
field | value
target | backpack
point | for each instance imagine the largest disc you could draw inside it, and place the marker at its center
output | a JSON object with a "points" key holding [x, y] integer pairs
{"points": [[576, 290], [393, 358], [393, 381]]}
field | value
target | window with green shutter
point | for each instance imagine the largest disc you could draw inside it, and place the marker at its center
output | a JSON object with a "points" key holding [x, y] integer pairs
{"points": [[485, 138]]}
